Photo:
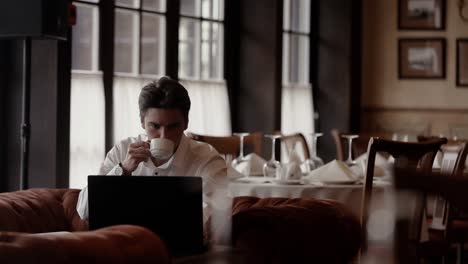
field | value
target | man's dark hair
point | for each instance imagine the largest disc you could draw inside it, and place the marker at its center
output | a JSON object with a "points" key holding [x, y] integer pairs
{"points": [[165, 93]]}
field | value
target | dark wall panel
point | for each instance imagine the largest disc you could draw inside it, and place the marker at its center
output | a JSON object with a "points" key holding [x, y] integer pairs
{"points": [[3, 134], [258, 96], [43, 113], [336, 85], [49, 113], [13, 98]]}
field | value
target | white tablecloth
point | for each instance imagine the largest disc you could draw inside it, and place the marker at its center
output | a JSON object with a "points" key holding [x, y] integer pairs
{"points": [[349, 195]]}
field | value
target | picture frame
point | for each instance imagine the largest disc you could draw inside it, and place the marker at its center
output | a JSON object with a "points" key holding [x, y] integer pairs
{"points": [[421, 14], [421, 58], [462, 62]]}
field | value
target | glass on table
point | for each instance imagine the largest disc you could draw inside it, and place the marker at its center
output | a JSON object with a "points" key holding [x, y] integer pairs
{"points": [[240, 159], [349, 161], [272, 168], [314, 161]]}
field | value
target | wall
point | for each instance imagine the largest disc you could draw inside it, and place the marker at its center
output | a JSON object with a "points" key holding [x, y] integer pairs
{"points": [[3, 102], [389, 103], [256, 68], [337, 87], [49, 113]]}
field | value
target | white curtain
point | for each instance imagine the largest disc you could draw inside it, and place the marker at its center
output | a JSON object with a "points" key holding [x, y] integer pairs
{"points": [[125, 106], [87, 143], [210, 112], [297, 111]]}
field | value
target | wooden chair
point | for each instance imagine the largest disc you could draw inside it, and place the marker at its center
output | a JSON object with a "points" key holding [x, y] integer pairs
{"points": [[444, 227], [453, 221], [296, 142], [359, 144], [412, 157], [230, 145]]}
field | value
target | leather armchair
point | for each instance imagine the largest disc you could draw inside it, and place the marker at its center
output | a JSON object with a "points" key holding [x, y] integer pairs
{"points": [[30, 225]]}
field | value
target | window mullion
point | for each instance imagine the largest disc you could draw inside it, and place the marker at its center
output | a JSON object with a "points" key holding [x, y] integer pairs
{"points": [[221, 50], [136, 44], [162, 45], [95, 45], [210, 49], [198, 55]]}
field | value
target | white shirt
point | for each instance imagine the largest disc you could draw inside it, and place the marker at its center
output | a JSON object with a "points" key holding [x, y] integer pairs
{"points": [[192, 158]]}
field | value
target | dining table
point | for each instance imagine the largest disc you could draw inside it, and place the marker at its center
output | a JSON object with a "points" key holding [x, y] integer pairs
{"points": [[382, 208], [349, 194]]}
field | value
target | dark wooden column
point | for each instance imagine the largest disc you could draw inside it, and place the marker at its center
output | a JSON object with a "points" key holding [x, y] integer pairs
{"points": [[337, 91], [258, 93], [172, 39], [50, 114], [49, 110], [3, 108], [13, 109]]}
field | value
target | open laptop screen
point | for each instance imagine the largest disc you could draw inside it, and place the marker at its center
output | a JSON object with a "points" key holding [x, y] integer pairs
{"points": [[169, 206]]}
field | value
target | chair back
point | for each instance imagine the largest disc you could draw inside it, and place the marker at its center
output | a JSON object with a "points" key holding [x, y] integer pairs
{"points": [[230, 145], [410, 156], [295, 142], [339, 144], [453, 155], [452, 165]]}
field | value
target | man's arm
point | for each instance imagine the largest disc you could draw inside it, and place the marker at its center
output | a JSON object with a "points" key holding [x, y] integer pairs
{"points": [[108, 166]]}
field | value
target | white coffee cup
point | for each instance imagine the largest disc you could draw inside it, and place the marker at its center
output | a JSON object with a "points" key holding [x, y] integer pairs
{"points": [[161, 148]]}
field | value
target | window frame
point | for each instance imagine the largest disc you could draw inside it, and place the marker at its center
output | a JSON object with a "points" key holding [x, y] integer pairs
{"points": [[96, 31], [287, 34], [221, 21], [137, 56]]}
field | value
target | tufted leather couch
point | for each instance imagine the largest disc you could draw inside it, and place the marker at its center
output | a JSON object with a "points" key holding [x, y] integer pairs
{"points": [[27, 218], [268, 230], [282, 230]]}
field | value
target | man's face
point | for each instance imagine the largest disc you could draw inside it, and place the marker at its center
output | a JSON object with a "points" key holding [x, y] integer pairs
{"points": [[164, 123]]}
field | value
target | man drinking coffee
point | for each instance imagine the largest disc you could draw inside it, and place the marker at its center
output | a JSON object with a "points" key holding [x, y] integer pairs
{"points": [[164, 107]]}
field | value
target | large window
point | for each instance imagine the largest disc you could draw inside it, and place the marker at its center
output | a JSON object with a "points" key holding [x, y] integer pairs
{"points": [[87, 96], [297, 114], [201, 39], [140, 37], [139, 58], [201, 56], [296, 38]]}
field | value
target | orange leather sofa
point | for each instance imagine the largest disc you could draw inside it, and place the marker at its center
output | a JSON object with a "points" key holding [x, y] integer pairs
{"points": [[269, 230], [27, 218], [282, 230]]}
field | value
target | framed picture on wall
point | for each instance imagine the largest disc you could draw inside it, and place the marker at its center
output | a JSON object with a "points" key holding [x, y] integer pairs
{"points": [[421, 58], [421, 14], [462, 62]]}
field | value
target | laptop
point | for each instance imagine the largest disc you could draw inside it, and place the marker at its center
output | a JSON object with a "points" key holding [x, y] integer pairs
{"points": [[171, 207]]}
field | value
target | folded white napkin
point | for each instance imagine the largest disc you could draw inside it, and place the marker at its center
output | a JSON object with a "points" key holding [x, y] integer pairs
{"points": [[334, 171], [253, 166]]}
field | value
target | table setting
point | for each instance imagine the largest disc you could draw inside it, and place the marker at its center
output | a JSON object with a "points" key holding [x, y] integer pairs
{"points": [[310, 178]]}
